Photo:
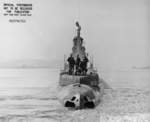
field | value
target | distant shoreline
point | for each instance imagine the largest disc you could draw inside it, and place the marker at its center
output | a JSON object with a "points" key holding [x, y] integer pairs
{"points": [[32, 67], [142, 68]]}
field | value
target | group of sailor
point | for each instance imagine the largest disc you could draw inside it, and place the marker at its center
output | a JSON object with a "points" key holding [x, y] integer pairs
{"points": [[78, 66]]}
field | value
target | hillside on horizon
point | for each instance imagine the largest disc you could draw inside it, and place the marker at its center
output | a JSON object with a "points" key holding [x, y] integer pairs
{"points": [[144, 67], [35, 63]]}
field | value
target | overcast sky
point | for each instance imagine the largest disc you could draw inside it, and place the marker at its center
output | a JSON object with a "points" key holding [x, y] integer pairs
{"points": [[116, 32]]}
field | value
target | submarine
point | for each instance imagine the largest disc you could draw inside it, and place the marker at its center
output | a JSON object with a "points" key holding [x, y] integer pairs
{"points": [[79, 84]]}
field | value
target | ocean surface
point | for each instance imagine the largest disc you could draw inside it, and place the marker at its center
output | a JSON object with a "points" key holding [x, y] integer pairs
{"points": [[30, 95]]}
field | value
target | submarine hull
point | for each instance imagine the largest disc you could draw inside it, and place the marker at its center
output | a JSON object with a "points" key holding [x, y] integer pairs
{"points": [[80, 92]]}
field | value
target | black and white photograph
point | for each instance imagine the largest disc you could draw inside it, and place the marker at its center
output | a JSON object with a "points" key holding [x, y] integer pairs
{"points": [[74, 61]]}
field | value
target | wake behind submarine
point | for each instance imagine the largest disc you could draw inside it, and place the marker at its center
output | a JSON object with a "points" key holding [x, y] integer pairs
{"points": [[79, 83]]}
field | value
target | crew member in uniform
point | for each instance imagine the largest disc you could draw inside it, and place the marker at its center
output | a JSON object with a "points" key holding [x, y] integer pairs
{"points": [[83, 65], [78, 69], [71, 62]]}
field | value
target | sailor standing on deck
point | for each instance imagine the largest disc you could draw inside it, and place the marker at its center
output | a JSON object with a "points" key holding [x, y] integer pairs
{"points": [[78, 61], [71, 62], [83, 65]]}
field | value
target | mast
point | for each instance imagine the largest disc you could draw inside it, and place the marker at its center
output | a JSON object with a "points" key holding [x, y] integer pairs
{"points": [[79, 29]]}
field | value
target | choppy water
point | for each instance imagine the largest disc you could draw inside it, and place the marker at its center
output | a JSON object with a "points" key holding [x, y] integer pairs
{"points": [[39, 104]]}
